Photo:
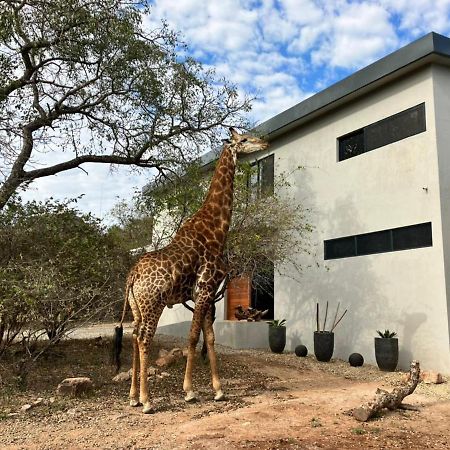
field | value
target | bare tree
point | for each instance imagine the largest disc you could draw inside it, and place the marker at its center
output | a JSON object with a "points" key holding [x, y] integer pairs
{"points": [[84, 80]]}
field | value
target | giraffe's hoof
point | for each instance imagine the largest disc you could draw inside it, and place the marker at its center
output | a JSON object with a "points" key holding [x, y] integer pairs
{"points": [[190, 397], [148, 409], [220, 396], [134, 402]]}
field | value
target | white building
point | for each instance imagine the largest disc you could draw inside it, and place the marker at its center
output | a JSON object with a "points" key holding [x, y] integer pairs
{"points": [[376, 147]]}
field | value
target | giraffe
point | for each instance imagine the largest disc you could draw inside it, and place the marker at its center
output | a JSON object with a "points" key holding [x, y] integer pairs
{"points": [[191, 266]]}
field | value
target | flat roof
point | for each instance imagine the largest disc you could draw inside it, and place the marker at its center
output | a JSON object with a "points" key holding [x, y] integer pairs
{"points": [[432, 47]]}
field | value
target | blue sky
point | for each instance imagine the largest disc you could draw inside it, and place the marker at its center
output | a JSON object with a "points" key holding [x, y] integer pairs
{"points": [[282, 51]]}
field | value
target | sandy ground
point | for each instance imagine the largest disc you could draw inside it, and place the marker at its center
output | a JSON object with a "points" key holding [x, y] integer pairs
{"points": [[273, 402]]}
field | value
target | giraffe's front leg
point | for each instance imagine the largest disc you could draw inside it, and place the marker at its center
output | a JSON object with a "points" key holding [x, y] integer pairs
{"points": [[208, 334], [194, 334]]}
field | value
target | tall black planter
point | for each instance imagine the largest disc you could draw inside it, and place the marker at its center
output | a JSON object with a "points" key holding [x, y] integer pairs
{"points": [[323, 345], [386, 353], [277, 339]]}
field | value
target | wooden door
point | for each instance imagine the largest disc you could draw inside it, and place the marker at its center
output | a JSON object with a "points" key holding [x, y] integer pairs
{"points": [[238, 293]]}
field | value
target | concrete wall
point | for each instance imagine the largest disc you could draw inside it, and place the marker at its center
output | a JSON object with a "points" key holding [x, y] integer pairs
{"points": [[382, 189], [181, 314], [441, 83]]}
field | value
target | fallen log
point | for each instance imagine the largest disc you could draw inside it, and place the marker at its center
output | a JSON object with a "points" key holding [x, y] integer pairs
{"points": [[391, 400]]}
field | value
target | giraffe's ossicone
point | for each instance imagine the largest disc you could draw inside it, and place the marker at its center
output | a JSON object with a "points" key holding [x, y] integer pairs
{"points": [[191, 267]]}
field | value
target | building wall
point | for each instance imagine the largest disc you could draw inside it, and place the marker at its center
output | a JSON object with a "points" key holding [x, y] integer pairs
{"points": [[441, 82], [404, 291]]}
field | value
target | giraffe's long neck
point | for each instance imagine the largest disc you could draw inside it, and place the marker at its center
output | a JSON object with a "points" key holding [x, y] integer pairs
{"points": [[219, 199]]}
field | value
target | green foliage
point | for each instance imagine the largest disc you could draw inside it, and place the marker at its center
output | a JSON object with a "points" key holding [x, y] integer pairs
{"points": [[277, 323], [57, 267], [69, 67], [386, 334], [268, 230]]}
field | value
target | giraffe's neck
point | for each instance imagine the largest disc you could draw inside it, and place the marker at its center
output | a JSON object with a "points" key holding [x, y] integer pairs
{"points": [[219, 200]]}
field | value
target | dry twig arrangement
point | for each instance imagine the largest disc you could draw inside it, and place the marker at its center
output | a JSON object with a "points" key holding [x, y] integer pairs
{"points": [[335, 321]]}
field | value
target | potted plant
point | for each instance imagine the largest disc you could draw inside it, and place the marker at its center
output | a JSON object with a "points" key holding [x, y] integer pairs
{"points": [[277, 335], [324, 340], [386, 350]]}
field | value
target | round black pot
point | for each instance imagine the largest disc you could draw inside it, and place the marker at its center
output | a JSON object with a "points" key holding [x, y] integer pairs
{"points": [[277, 339], [386, 353], [323, 345]]}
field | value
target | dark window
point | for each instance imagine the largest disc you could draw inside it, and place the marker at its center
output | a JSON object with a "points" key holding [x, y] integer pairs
{"points": [[404, 238], [392, 129], [340, 248], [378, 242], [266, 174], [412, 237], [351, 145], [262, 177]]}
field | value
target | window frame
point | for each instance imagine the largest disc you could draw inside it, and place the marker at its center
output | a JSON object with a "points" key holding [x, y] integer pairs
{"points": [[422, 127], [393, 246]]}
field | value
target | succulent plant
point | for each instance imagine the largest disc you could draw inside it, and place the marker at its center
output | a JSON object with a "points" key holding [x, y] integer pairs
{"points": [[386, 334]]}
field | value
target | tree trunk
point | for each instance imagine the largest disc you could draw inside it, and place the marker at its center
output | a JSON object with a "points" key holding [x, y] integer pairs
{"points": [[391, 400]]}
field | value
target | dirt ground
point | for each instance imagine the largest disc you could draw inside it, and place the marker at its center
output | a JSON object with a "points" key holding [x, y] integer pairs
{"points": [[273, 402]]}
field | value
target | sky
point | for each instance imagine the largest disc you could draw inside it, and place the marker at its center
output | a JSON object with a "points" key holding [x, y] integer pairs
{"points": [[280, 51]]}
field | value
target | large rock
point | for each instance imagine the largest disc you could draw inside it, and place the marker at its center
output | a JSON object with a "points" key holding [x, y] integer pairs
{"points": [[75, 387], [122, 376], [167, 358]]}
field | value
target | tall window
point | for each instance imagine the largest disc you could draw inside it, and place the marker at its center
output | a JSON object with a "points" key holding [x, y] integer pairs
{"points": [[392, 129], [395, 239], [262, 179]]}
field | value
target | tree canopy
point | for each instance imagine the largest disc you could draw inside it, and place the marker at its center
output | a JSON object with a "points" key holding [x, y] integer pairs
{"points": [[87, 81], [269, 228], [57, 267]]}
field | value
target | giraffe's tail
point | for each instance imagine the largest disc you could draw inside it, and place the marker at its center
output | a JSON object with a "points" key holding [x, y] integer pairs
{"points": [[118, 333]]}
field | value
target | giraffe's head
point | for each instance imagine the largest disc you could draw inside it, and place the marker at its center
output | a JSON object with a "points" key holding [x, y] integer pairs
{"points": [[246, 143]]}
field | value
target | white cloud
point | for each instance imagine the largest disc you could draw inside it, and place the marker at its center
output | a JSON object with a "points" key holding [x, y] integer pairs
{"points": [[280, 50]]}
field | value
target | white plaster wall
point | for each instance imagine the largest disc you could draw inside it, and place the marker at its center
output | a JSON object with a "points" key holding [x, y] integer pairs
{"points": [[441, 83], [403, 291]]}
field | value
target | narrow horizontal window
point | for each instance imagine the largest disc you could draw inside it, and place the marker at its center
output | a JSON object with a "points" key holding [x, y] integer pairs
{"points": [[386, 131], [351, 145], [377, 242], [395, 239], [415, 236], [340, 248]]}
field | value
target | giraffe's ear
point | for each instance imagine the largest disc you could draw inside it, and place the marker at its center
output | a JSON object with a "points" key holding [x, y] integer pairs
{"points": [[233, 132]]}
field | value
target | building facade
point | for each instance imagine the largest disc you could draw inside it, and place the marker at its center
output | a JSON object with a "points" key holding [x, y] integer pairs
{"points": [[376, 148], [376, 152]]}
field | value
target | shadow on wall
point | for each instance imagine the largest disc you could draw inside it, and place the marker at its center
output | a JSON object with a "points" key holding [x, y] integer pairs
{"points": [[351, 281]]}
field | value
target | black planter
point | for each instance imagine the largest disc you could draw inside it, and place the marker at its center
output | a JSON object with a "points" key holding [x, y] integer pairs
{"points": [[323, 345], [277, 339], [386, 353]]}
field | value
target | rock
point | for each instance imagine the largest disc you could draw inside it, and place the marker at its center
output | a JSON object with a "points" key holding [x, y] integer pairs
{"points": [[52, 399], [75, 387], [165, 374], [26, 407], [430, 377], [162, 353], [38, 402], [169, 357], [152, 371], [122, 376]]}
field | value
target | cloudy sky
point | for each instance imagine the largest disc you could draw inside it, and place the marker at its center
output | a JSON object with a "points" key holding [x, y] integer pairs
{"points": [[282, 51]]}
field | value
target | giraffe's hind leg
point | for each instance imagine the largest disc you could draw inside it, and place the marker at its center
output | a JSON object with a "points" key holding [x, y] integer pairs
{"points": [[144, 340], [134, 393]]}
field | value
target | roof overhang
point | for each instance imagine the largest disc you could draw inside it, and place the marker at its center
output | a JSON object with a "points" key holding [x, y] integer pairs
{"points": [[431, 48]]}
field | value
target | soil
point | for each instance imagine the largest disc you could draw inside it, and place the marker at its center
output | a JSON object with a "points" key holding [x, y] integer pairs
{"points": [[274, 401]]}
